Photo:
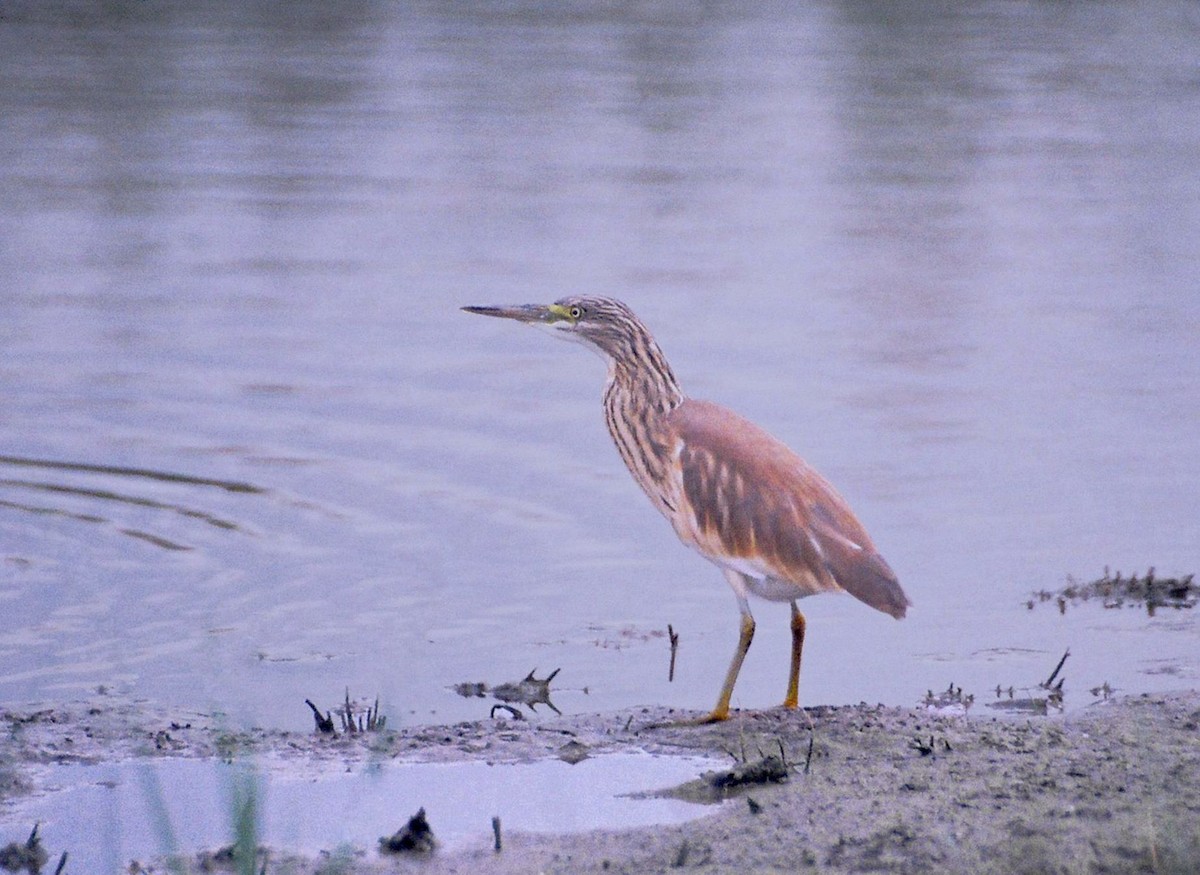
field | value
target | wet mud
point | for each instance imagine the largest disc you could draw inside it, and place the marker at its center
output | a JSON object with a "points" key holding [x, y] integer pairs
{"points": [[1109, 788]]}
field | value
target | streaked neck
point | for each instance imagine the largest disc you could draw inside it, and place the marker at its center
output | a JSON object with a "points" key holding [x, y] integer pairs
{"points": [[639, 395]]}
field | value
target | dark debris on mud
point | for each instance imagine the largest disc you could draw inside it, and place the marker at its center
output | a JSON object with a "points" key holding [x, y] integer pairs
{"points": [[364, 718], [29, 856], [415, 837], [530, 691], [1147, 592]]}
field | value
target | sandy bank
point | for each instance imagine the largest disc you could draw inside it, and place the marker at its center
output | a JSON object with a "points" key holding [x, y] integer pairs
{"points": [[1114, 788]]}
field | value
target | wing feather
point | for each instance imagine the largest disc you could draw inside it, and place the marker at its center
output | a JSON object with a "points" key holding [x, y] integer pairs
{"points": [[749, 498]]}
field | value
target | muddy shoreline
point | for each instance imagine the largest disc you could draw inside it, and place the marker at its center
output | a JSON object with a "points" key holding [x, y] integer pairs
{"points": [[1111, 788]]}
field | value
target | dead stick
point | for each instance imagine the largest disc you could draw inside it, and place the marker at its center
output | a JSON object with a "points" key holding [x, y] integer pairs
{"points": [[674, 638], [324, 724], [496, 831], [1057, 669]]}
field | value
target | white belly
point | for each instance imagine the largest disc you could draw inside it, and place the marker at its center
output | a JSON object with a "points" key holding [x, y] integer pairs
{"points": [[774, 590], [759, 582]]}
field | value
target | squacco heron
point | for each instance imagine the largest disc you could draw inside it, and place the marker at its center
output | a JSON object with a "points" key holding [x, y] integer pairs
{"points": [[735, 494]]}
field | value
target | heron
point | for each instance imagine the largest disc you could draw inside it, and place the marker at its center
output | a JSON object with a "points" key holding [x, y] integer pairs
{"points": [[741, 498]]}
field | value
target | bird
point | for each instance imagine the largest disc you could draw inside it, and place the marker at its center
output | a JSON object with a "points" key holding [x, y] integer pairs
{"points": [[740, 497]]}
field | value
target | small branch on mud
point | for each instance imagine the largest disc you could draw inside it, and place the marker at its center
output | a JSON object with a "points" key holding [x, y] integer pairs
{"points": [[1034, 703], [366, 720], [324, 723], [1050, 680], [673, 636]]}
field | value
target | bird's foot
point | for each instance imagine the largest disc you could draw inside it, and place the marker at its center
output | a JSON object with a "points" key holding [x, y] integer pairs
{"points": [[707, 720]]}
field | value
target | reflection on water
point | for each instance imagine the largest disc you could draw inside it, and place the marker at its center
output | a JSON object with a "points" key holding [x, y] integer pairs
{"points": [[947, 252]]}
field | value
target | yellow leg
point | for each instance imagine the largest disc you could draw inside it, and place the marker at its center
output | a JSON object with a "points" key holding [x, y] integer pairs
{"points": [[793, 690], [721, 711]]}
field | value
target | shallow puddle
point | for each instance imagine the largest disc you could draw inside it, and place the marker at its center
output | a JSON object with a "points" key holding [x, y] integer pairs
{"points": [[107, 815]]}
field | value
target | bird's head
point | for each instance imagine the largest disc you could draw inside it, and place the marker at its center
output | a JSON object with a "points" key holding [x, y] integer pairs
{"points": [[605, 324]]}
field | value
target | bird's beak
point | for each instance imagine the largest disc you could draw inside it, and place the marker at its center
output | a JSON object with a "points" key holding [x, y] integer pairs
{"points": [[535, 313]]}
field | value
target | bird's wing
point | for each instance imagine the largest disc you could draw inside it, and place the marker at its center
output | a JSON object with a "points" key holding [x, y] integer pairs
{"points": [[748, 498]]}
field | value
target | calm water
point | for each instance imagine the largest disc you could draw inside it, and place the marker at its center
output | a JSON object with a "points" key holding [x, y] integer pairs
{"points": [[253, 452], [110, 814]]}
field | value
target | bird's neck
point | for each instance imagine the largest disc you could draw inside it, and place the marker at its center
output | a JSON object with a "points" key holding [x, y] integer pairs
{"points": [[637, 399], [644, 385]]}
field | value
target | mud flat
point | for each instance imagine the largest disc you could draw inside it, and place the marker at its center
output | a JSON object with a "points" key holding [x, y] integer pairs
{"points": [[1111, 788]]}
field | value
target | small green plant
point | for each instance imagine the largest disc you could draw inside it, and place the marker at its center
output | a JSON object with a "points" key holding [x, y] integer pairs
{"points": [[156, 804], [244, 802]]}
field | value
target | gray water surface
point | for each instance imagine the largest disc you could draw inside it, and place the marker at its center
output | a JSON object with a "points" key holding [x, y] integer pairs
{"points": [[107, 815], [252, 452]]}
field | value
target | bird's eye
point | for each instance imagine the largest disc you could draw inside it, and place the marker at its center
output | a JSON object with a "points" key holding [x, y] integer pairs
{"points": [[576, 312]]}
